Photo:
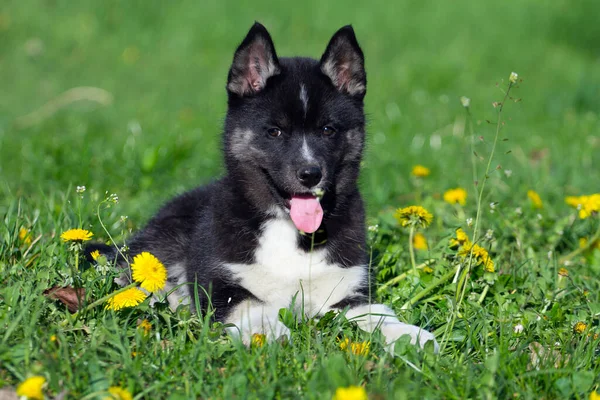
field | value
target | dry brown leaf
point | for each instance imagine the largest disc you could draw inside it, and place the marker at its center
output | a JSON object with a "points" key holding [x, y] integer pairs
{"points": [[67, 295]]}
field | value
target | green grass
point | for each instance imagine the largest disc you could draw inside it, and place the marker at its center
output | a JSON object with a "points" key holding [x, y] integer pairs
{"points": [[165, 68]]}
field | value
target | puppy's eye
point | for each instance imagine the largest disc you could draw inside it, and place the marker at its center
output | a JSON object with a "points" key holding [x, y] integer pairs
{"points": [[328, 130], [274, 132]]}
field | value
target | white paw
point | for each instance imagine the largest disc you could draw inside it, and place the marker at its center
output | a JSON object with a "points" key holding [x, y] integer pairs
{"points": [[272, 329], [395, 330]]}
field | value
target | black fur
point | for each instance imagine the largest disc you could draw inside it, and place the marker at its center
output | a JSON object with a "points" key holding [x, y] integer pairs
{"points": [[221, 222]]}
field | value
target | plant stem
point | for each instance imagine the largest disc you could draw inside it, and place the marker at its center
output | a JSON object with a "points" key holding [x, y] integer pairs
{"points": [[428, 289], [580, 250], [483, 294], [411, 249]]}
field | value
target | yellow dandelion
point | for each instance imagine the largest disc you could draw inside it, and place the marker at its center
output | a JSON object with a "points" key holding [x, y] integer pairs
{"points": [[587, 205], [258, 340], [420, 242], [461, 239], [76, 235], [145, 326], [574, 201], [594, 396], [129, 298], [25, 236], [480, 255], [420, 171], [95, 254], [149, 272], [32, 388], [563, 272], [536, 201], [579, 327], [415, 216], [53, 338], [428, 270], [350, 393], [118, 393], [356, 348], [454, 196]]}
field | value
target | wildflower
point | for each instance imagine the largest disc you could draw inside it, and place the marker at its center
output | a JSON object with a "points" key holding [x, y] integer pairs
{"points": [[24, 235], [415, 216], [350, 393], [80, 189], [420, 171], [95, 255], [373, 228], [32, 388], [465, 101], [594, 396], [420, 242], [458, 195], [536, 201], [356, 348], [145, 326], [76, 235], [563, 272], [129, 298], [508, 173], [518, 211], [579, 327], [587, 205], [428, 270], [469, 221], [258, 340], [53, 338], [149, 271], [513, 77], [480, 255], [461, 239], [489, 235], [518, 328], [118, 393]]}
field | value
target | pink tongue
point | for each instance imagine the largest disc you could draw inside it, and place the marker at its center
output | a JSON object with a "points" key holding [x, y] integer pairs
{"points": [[306, 213]]}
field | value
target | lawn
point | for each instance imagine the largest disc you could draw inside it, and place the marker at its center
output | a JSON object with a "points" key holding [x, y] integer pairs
{"points": [[128, 98]]}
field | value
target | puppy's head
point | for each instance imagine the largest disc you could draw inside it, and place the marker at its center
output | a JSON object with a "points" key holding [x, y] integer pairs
{"points": [[294, 131]]}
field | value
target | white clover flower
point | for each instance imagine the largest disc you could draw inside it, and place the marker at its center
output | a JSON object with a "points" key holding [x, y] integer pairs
{"points": [[80, 189], [465, 101], [518, 328], [513, 77]]}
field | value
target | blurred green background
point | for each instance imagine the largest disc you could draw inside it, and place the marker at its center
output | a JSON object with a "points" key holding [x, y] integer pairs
{"points": [[155, 130]]}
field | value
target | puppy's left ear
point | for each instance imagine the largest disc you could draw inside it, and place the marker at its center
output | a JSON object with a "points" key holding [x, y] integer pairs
{"points": [[343, 62], [254, 62]]}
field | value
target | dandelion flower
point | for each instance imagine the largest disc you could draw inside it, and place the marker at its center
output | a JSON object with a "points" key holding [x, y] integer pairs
{"points": [[129, 298], [536, 201], [413, 216], [563, 272], [454, 196], [350, 393], [587, 205], [480, 255], [118, 393], [594, 395], [579, 327], [145, 326], [356, 348], [420, 242], [461, 239], [32, 388], [149, 272], [24, 236], [95, 254], [258, 340], [420, 171], [428, 270], [76, 235]]}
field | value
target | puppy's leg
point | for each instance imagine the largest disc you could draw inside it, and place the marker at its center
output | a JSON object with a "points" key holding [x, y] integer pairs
{"points": [[377, 316], [250, 317]]}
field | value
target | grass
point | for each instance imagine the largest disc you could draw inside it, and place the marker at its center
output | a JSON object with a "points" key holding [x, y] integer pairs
{"points": [[157, 134]]}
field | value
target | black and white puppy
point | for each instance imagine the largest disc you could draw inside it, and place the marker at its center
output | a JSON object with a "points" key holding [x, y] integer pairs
{"points": [[287, 219]]}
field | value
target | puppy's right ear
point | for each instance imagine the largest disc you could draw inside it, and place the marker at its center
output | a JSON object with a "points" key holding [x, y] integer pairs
{"points": [[254, 62]]}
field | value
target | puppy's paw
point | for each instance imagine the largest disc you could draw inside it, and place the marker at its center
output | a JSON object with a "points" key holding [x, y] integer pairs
{"points": [[393, 332], [272, 330]]}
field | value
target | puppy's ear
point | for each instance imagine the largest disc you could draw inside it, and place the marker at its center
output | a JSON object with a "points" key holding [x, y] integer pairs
{"points": [[344, 63], [254, 62]]}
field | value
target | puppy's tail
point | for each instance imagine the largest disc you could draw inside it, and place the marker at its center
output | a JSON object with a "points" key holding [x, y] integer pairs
{"points": [[110, 252]]}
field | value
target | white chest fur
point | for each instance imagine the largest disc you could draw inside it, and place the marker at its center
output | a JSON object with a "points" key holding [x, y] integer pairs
{"points": [[283, 271]]}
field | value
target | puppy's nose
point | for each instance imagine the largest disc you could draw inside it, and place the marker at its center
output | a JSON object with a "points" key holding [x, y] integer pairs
{"points": [[309, 175]]}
